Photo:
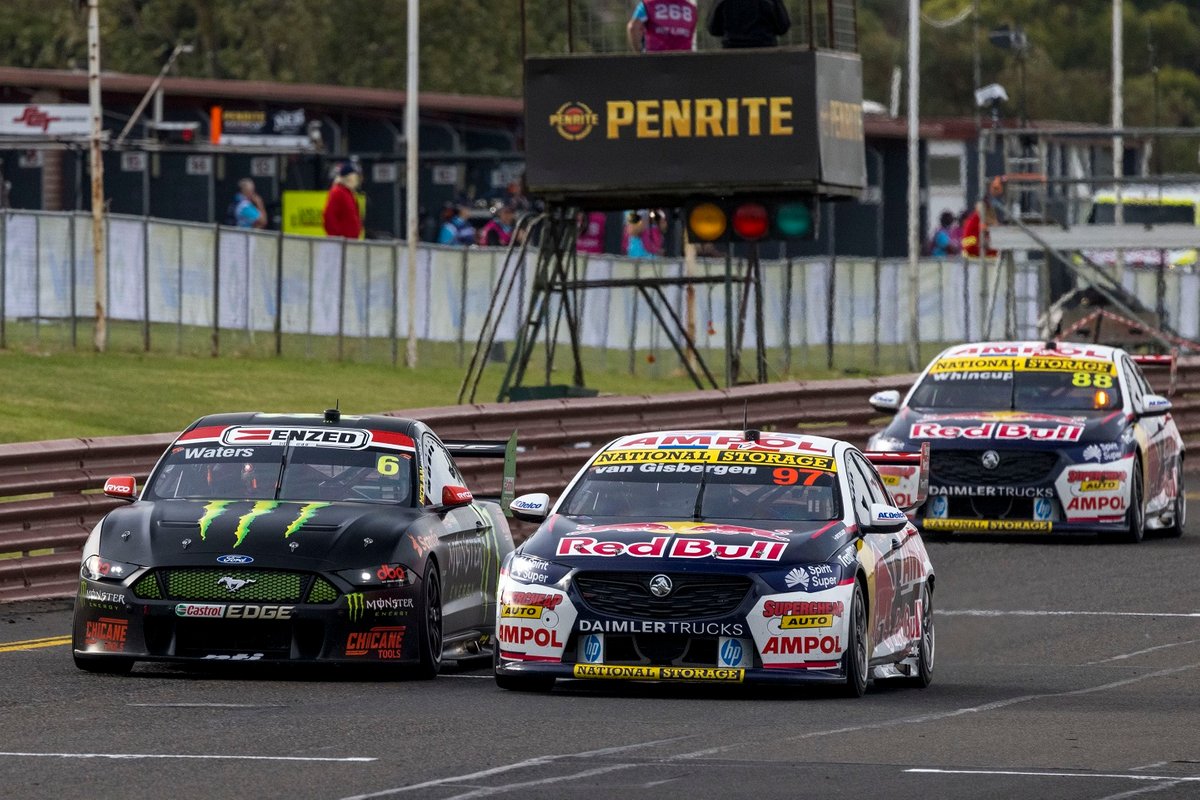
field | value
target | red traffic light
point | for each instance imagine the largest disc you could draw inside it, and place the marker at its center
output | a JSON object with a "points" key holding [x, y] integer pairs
{"points": [[751, 221]]}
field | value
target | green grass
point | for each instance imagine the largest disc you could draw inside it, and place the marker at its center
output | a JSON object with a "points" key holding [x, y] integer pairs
{"points": [[50, 391]]}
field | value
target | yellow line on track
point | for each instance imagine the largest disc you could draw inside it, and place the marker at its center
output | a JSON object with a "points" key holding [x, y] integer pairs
{"points": [[34, 644]]}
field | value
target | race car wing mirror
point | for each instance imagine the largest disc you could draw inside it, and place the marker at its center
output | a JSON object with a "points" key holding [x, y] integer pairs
{"points": [[887, 401], [122, 487], [1155, 405], [905, 474], [887, 519], [531, 507], [454, 496]]}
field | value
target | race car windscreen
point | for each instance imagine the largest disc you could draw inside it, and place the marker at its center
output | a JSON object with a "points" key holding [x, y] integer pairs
{"points": [[298, 473], [1090, 388], [681, 491]]}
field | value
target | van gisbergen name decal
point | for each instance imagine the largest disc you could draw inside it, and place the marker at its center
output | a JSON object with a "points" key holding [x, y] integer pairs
{"points": [[667, 547], [707, 456]]}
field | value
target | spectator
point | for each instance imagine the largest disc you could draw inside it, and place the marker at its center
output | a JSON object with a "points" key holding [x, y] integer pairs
{"points": [[341, 207], [591, 232], [956, 230], [660, 25], [499, 230], [246, 210], [942, 242], [644, 234], [515, 197], [457, 229], [977, 222], [749, 23]]}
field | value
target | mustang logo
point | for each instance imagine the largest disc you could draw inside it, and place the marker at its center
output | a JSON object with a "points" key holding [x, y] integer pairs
{"points": [[233, 584]]}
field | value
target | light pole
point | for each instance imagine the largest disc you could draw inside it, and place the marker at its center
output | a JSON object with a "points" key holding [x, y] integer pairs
{"points": [[411, 108], [1118, 121], [95, 114], [914, 182]]}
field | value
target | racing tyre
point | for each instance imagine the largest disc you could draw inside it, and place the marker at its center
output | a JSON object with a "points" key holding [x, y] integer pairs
{"points": [[1176, 528], [521, 683], [925, 653], [429, 628], [107, 665], [857, 659], [1136, 516]]}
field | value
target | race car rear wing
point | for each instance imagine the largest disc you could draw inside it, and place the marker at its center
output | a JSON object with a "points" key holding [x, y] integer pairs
{"points": [[897, 471], [476, 448], [1158, 362]]}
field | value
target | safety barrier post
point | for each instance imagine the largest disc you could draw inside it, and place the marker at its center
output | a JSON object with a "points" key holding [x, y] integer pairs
{"points": [[72, 290], [278, 326], [146, 284], [3, 277], [216, 303]]}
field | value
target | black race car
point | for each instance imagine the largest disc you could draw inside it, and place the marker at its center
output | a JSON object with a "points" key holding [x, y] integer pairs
{"points": [[295, 537]]}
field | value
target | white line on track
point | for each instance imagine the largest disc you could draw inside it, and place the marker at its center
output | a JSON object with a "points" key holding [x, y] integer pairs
{"points": [[1124, 656], [488, 791], [957, 712], [996, 612], [205, 705], [1031, 774], [1155, 787], [530, 762], [214, 757]]}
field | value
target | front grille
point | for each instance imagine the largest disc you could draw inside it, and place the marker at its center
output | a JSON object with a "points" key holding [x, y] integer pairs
{"points": [[322, 591], [1015, 467], [147, 587], [261, 585], [693, 597]]}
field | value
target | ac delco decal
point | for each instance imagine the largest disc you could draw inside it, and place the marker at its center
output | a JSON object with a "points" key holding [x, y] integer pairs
{"points": [[346, 438], [1002, 431], [666, 547], [386, 642]]}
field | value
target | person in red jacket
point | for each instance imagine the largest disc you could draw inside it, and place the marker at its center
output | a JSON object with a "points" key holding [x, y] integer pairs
{"points": [[341, 207], [974, 227]]}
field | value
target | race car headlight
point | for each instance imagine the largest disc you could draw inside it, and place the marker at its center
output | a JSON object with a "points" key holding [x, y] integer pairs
{"points": [[885, 444], [528, 569], [379, 575], [97, 568]]}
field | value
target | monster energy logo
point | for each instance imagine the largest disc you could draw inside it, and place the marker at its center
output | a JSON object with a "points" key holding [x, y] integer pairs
{"points": [[306, 513], [354, 603], [243, 526], [211, 511]]}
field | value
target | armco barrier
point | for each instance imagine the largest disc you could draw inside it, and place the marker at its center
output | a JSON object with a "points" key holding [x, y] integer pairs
{"points": [[50, 491]]}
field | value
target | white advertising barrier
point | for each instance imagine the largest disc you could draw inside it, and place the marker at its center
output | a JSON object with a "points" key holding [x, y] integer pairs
{"points": [[168, 268]]}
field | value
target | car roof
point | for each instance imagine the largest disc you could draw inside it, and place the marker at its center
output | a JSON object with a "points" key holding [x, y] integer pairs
{"points": [[370, 421], [716, 439], [1080, 350]]}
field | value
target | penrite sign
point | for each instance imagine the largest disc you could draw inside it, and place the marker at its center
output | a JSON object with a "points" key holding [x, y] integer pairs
{"points": [[671, 125]]}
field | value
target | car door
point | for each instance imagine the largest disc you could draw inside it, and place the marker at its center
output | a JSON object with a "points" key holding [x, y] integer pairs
{"points": [[465, 533], [894, 591], [1158, 448]]}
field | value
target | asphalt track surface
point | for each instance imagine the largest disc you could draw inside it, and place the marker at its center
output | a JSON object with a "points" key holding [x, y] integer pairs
{"points": [[1064, 669]]}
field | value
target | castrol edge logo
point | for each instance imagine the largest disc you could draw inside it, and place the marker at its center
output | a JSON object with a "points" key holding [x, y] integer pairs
{"points": [[345, 438]]}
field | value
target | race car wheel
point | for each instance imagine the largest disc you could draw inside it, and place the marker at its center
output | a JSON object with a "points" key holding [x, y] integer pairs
{"points": [[856, 660], [925, 653], [521, 683], [1136, 516], [429, 627], [108, 665], [1176, 527]]}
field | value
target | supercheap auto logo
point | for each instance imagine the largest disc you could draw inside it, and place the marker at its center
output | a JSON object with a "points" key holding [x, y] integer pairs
{"points": [[574, 121]]}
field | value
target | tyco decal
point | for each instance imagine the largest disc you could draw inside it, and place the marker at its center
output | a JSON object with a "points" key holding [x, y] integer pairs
{"points": [[721, 674], [988, 525]]}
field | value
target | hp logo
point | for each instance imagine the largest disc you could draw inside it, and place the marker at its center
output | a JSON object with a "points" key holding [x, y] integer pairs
{"points": [[592, 649], [731, 653]]}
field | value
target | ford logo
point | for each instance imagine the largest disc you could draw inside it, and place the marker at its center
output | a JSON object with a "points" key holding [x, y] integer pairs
{"points": [[235, 560]]}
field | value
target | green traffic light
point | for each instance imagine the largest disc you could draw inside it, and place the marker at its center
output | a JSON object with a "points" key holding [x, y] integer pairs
{"points": [[793, 220]]}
